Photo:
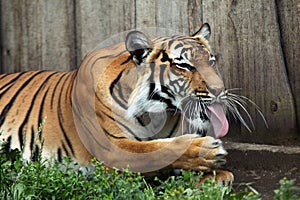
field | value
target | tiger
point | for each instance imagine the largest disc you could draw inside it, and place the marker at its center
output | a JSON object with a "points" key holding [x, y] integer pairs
{"points": [[151, 104]]}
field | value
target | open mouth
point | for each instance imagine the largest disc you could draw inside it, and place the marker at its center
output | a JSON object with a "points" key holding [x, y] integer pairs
{"points": [[197, 112], [218, 119]]}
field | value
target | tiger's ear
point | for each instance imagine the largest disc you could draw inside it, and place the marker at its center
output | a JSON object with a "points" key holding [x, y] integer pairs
{"points": [[204, 31], [139, 45]]}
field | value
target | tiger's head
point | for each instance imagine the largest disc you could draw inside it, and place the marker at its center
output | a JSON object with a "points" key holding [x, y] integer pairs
{"points": [[179, 73]]}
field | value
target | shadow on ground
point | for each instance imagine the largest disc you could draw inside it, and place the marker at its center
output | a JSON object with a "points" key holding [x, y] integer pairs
{"points": [[263, 165]]}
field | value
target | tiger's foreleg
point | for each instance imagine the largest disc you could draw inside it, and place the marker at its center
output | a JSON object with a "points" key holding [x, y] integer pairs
{"points": [[188, 152]]}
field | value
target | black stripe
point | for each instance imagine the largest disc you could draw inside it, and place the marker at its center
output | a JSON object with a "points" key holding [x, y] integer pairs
{"points": [[60, 118], [140, 121], [21, 127], [111, 89], [11, 83], [100, 58], [59, 155], [65, 149], [186, 66], [31, 139], [157, 97], [93, 65], [171, 42], [75, 105], [68, 141], [4, 112], [118, 122], [121, 96], [164, 89], [112, 85], [67, 90], [12, 100], [166, 58], [116, 137], [6, 90], [178, 45], [3, 76], [12, 80], [186, 49], [161, 74], [110, 135], [70, 87], [156, 56], [154, 95], [35, 155], [174, 127], [113, 119], [126, 61], [41, 110], [55, 88], [174, 72], [151, 90], [101, 102], [167, 91], [137, 138], [151, 81], [175, 82]]}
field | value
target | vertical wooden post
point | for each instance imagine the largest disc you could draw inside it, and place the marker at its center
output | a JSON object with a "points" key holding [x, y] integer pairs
{"points": [[259, 64], [37, 35], [97, 21], [289, 25]]}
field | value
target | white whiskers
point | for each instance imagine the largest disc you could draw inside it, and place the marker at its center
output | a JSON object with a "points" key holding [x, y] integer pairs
{"points": [[235, 101]]}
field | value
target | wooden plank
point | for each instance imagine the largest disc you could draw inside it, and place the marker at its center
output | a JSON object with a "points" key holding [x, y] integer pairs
{"points": [[255, 63], [223, 40], [195, 16], [145, 14], [100, 22], [173, 16], [168, 17], [289, 21], [224, 46], [37, 35]]}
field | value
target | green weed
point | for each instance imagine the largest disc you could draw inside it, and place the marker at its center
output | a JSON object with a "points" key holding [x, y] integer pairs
{"points": [[43, 180], [287, 190]]}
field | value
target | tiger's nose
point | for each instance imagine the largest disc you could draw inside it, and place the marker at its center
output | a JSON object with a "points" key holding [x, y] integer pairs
{"points": [[215, 90]]}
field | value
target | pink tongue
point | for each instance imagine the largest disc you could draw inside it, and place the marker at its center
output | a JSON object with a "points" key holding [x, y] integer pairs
{"points": [[218, 120]]}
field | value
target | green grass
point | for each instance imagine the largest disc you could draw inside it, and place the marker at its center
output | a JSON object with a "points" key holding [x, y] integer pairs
{"points": [[38, 180]]}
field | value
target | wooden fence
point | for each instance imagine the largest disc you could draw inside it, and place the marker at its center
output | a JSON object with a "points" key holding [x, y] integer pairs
{"points": [[258, 43]]}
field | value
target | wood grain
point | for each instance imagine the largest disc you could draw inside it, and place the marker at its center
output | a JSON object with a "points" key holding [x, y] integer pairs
{"points": [[97, 21], [256, 42], [262, 70], [37, 35], [289, 25]]}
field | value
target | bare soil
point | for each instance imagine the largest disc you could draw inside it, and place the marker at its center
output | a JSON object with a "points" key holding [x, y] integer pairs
{"points": [[263, 166]]}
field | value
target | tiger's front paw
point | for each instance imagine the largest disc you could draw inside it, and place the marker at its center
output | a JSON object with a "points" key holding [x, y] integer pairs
{"points": [[202, 154]]}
